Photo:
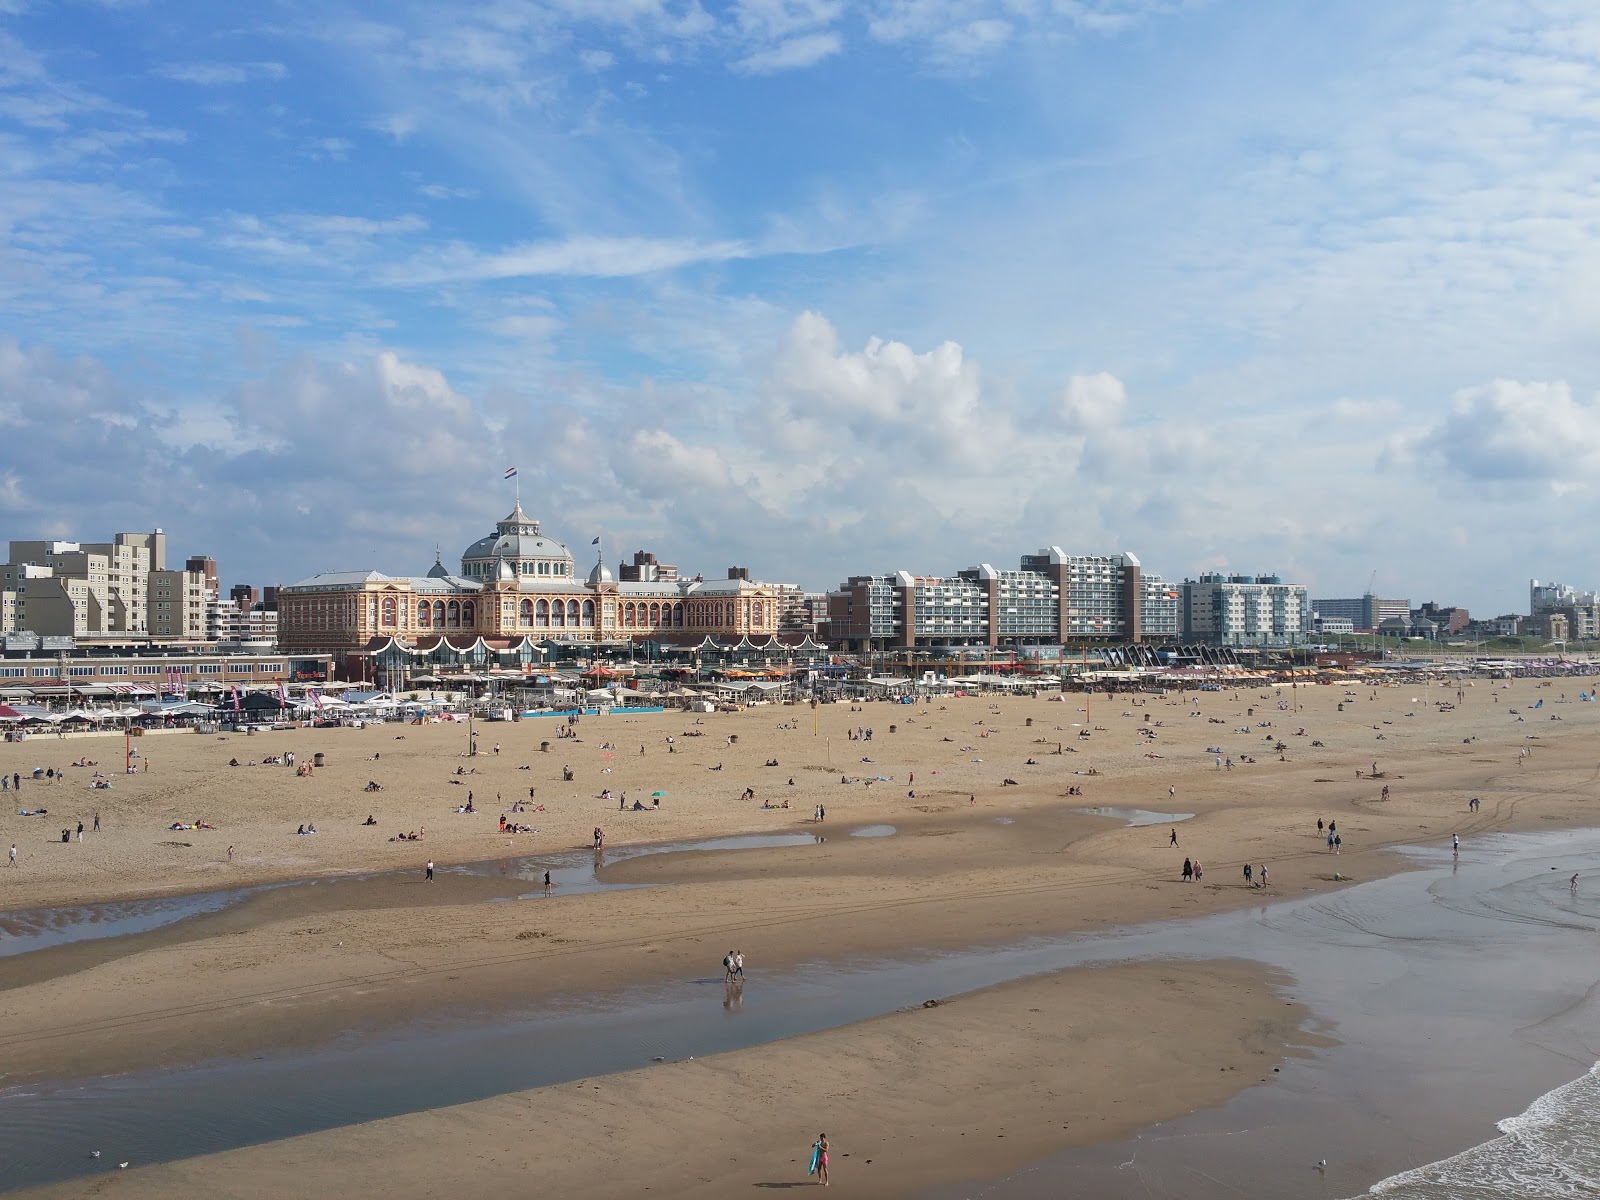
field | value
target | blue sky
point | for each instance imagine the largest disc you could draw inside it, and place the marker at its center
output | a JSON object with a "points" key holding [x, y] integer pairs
{"points": [[811, 286]]}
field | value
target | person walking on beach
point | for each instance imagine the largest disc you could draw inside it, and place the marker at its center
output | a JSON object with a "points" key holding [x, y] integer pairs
{"points": [[547, 884], [1188, 870], [1319, 826], [1249, 876], [1262, 874], [1338, 843], [13, 854], [738, 965], [429, 876], [1455, 843], [1573, 883], [230, 853], [97, 822], [1174, 840], [727, 967]]}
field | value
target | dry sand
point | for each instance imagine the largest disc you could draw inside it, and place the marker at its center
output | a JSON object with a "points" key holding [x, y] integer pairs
{"points": [[300, 965], [906, 1100]]}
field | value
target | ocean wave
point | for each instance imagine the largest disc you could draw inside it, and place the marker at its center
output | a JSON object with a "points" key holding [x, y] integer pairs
{"points": [[1550, 1152]]}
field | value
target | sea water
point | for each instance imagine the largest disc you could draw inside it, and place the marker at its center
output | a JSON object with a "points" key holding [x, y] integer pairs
{"points": [[1550, 1152]]}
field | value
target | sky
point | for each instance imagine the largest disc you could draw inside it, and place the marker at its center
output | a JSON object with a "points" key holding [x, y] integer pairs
{"points": [[816, 287]]}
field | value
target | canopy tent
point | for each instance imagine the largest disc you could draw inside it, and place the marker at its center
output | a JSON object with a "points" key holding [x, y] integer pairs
{"points": [[7, 713]]}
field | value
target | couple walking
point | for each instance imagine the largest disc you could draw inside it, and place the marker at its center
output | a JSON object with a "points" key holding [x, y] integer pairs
{"points": [[733, 967]]}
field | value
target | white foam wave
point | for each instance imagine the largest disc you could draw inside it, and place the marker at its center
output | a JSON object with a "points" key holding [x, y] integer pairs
{"points": [[1550, 1152]]}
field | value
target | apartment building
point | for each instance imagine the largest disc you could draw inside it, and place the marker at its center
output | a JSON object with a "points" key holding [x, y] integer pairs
{"points": [[1244, 610], [120, 589], [1053, 598]]}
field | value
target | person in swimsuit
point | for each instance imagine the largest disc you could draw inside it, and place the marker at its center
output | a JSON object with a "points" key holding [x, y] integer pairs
{"points": [[819, 1158], [547, 884]]}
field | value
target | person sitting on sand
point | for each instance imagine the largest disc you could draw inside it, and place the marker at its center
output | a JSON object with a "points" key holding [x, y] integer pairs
{"points": [[300, 831], [233, 762], [371, 820]]}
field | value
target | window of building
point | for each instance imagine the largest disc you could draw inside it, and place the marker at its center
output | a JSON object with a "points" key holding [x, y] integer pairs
{"points": [[588, 612], [525, 613], [424, 615], [468, 613]]}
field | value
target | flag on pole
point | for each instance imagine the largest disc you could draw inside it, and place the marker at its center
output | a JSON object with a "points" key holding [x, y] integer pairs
{"points": [[316, 698], [236, 698], [596, 542], [510, 471], [283, 695]]}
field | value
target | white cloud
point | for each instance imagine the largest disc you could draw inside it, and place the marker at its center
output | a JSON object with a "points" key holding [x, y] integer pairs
{"points": [[1093, 402], [596, 60], [215, 74], [807, 50], [398, 126], [1514, 431], [600, 257]]}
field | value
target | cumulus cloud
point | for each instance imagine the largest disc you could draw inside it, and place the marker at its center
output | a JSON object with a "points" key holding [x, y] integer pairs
{"points": [[1093, 402], [1516, 431]]}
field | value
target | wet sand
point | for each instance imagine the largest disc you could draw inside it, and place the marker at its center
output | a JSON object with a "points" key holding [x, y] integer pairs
{"points": [[300, 966], [1097, 1053]]}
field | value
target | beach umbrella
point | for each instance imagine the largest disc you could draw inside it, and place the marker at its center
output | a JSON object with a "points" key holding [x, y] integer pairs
{"points": [[655, 794]]}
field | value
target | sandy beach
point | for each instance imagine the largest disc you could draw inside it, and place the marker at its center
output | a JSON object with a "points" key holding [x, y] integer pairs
{"points": [[973, 860]]}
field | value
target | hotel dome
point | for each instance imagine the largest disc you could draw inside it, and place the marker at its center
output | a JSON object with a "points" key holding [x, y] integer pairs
{"points": [[524, 551]]}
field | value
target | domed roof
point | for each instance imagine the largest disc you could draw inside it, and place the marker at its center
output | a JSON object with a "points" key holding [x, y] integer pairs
{"points": [[516, 537], [438, 570], [600, 574]]}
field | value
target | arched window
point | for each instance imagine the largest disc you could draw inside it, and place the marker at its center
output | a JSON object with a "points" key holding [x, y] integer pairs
{"points": [[655, 615], [525, 613], [469, 613], [572, 612], [453, 615], [627, 615], [588, 612], [438, 614], [388, 611], [558, 614], [543, 619], [677, 615], [759, 611], [424, 614]]}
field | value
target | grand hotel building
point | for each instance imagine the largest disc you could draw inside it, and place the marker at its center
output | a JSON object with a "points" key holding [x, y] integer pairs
{"points": [[517, 588]]}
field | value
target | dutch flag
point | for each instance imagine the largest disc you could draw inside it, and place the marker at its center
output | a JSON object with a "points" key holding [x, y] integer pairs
{"points": [[510, 471]]}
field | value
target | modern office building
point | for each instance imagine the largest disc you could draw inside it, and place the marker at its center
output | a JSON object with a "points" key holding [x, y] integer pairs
{"points": [[517, 587], [1052, 599], [1244, 610], [1365, 613], [117, 591]]}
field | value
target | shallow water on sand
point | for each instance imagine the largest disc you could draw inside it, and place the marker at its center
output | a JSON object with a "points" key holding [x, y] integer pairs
{"points": [[1461, 991], [571, 872], [1134, 816]]}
